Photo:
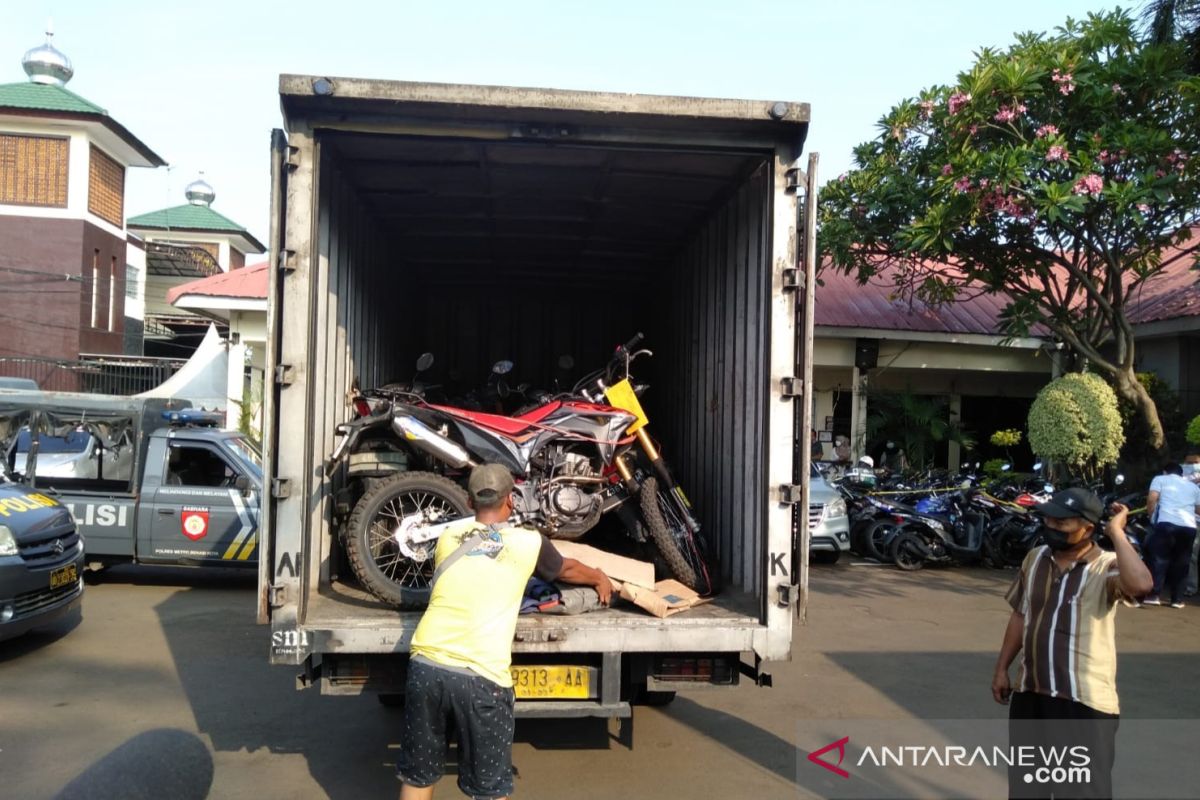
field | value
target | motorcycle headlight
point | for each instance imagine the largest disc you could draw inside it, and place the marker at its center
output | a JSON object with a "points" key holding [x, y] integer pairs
{"points": [[835, 508], [8, 543]]}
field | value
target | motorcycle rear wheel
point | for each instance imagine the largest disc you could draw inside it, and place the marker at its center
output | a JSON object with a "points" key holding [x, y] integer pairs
{"points": [[371, 549], [906, 551]]}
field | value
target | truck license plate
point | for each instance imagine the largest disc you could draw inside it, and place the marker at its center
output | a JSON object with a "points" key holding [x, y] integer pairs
{"points": [[551, 682], [63, 576]]}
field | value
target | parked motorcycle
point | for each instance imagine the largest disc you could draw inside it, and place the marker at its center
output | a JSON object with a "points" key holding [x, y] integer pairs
{"points": [[575, 457]]}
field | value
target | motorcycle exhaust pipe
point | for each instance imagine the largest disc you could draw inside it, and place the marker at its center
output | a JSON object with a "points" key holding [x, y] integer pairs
{"points": [[426, 439]]}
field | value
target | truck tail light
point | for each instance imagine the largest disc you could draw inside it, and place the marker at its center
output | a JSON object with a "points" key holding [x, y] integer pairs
{"points": [[707, 668]]}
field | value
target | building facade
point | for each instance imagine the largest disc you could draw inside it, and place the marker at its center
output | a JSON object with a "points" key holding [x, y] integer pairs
{"points": [[70, 273]]}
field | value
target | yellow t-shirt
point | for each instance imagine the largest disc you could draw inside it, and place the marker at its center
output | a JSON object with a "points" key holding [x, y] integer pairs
{"points": [[473, 610]]}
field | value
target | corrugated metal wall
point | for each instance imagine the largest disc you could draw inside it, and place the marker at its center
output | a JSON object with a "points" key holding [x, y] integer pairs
{"points": [[705, 316], [717, 381], [357, 319]]}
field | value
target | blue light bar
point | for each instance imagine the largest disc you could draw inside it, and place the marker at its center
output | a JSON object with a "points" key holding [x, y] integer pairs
{"points": [[193, 416]]}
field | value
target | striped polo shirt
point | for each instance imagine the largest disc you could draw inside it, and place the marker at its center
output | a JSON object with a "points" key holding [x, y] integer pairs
{"points": [[1069, 646]]}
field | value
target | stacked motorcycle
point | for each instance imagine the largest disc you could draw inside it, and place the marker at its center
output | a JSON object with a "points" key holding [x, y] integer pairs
{"points": [[577, 456]]}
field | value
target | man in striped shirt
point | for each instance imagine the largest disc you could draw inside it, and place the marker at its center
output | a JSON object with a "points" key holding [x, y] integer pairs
{"points": [[1064, 604]]}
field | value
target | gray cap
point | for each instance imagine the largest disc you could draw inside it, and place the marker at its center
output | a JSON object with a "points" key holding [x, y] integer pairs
{"points": [[489, 483]]}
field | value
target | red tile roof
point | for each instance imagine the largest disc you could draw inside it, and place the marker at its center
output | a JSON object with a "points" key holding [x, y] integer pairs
{"points": [[841, 302], [248, 283], [1171, 294]]}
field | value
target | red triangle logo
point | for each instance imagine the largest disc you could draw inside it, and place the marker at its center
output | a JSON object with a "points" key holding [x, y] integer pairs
{"points": [[840, 746]]}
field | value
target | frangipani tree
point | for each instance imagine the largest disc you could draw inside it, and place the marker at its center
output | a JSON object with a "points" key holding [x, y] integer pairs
{"points": [[1055, 173]]}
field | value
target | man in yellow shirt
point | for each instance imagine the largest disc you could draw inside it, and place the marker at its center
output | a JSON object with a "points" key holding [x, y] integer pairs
{"points": [[462, 648]]}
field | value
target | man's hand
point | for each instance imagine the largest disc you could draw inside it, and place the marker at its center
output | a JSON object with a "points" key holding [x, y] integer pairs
{"points": [[1001, 687], [1116, 523], [604, 588]]}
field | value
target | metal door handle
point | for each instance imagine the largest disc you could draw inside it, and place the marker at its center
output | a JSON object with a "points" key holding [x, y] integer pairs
{"points": [[167, 512]]}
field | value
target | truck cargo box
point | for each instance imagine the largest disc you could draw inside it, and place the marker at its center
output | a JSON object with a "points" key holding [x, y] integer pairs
{"points": [[482, 223]]}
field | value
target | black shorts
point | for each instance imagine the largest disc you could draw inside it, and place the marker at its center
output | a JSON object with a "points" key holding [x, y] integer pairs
{"points": [[483, 715]]}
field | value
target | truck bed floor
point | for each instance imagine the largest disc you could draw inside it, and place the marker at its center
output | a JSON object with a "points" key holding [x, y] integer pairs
{"points": [[339, 605]]}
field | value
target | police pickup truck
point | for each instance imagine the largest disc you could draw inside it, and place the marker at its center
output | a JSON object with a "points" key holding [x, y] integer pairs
{"points": [[147, 480]]}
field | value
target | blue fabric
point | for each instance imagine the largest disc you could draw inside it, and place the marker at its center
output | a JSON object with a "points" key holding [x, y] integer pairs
{"points": [[538, 592]]}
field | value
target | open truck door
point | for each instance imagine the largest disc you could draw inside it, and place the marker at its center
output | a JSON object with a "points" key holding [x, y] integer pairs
{"points": [[277, 260]]}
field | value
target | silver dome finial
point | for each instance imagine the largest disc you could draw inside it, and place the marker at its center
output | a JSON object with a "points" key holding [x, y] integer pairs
{"points": [[47, 64], [199, 192]]}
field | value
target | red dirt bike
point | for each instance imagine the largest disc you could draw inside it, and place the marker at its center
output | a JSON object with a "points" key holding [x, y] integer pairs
{"points": [[575, 457]]}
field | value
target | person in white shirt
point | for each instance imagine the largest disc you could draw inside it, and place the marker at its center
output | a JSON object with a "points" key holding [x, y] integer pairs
{"points": [[1172, 505]]}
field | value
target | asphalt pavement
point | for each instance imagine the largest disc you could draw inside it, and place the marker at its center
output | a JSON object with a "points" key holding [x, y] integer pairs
{"points": [[178, 650]]}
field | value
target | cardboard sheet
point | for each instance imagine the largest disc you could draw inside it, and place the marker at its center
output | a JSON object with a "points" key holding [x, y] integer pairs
{"points": [[664, 599], [617, 568]]}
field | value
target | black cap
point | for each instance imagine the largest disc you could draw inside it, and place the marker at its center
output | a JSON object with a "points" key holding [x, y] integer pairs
{"points": [[1073, 503]]}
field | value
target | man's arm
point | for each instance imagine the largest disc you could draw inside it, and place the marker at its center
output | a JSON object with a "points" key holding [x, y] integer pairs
{"points": [[1151, 504], [581, 574], [1001, 685], [1134, 579]]}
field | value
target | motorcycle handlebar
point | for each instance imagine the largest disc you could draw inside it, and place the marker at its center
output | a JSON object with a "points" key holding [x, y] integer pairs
{"points": [[634, 342]]}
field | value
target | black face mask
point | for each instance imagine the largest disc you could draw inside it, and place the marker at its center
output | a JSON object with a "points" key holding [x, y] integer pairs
{"points": [[1057, 540]]}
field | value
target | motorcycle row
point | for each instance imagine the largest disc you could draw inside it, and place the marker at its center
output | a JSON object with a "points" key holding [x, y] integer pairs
{"points": [[911, 521]]}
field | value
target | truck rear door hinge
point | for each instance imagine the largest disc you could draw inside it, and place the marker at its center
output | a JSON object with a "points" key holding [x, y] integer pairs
{"points": [[793, 279], [791, 387], [293, 157], [275, 595], [790, 494], [281, 488], [287, 261], [788, 594], [285, 374]]}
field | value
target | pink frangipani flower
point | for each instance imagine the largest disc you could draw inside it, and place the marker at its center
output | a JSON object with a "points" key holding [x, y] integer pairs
{"points": [[1056, 153], [1046, 130], [957, 101], [1089, 184]]}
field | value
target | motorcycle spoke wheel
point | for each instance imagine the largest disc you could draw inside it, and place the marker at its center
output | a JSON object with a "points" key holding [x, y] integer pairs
{"points": [[379, 563]]}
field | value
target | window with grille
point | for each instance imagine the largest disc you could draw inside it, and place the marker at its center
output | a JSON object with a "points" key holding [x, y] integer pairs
{"points": [[106, 188], [33, 170]]}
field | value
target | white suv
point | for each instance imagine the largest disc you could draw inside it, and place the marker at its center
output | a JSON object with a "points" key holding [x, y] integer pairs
{"points": [[827, 521]]}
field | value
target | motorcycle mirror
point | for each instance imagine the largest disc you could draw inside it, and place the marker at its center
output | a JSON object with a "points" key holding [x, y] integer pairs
{"points": [[566, 361], [1037, 465], [424, 362], [1005, 467], [502, 367], [1048, 488], [1120, 479]]}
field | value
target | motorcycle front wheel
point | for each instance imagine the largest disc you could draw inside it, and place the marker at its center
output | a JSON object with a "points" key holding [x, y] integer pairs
{"points": [[907, 552], [674, 540], [877, 538], [393, 576]]}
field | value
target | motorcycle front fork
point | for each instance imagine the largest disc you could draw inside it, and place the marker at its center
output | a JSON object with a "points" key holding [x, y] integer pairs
{"points": [[665, 479]]}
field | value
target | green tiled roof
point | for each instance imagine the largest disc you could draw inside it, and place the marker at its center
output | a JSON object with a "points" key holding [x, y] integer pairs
{"points": [[185, 217], [44, 97]]}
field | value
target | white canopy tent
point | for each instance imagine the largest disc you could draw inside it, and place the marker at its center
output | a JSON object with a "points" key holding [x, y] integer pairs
{"points": [[203, 379]]}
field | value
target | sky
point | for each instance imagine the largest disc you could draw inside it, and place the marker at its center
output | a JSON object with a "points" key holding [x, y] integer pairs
{"points": [[198, 82]]}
